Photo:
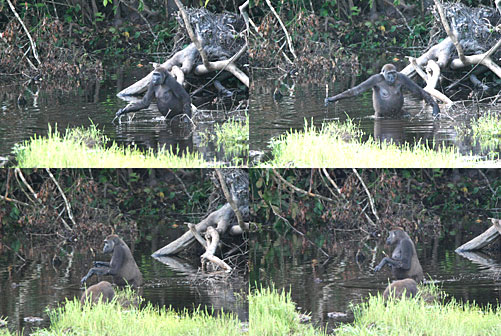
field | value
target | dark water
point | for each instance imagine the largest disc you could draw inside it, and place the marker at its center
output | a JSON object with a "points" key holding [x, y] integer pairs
{"points": [[95, 101], [51, 274], [304, 100], [320, 287]]}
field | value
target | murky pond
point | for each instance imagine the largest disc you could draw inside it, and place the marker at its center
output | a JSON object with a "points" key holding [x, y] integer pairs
{"points": [[95, 102], [52, 273], [321, 287], [302, 100]]}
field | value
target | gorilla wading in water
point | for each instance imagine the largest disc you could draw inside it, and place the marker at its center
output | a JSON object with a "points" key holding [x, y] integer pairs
{"points": [[404, 262], [122, 266], [387, 97], [172, 98]]}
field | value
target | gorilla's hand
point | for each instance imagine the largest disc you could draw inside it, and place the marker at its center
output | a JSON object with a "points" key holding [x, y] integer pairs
{"points": [[377, 268], [327, 101], [84, 279]]}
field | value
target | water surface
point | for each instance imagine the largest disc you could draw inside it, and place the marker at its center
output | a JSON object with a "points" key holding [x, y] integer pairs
{"points": [[87, 102], [320, 286], [302, 100], [51, 274]]}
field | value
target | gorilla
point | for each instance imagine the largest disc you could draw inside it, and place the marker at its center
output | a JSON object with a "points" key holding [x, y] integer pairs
{"points": [[404, 262], [397, 288], [122, 266], [387, 97], [172, 98], [102, 291]]}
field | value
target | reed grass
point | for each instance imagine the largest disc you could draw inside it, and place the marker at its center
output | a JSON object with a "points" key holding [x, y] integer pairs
{"points": [[340, 145], [113, 318], [88, 147], [274, 313]]}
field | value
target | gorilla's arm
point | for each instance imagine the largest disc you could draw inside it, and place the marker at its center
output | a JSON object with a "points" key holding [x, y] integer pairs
{"points": [[144, 103], [95, 270], [356, 90], [405, 258], [180, 94], [418, 91], [116, 260], [101, 264]]}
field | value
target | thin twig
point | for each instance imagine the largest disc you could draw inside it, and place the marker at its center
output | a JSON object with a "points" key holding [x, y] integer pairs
{"points": [[21, 176], [371, 201], [14, 201], [142, 17], [286, 221], [289, 41], [344, 197], [299, 190], [67, 204], [182, 184], [487, 180], [33, 45]]}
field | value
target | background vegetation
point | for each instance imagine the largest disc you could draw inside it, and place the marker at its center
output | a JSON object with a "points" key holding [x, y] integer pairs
{"points": [[137, 202], [73, 38], [353, 203]]}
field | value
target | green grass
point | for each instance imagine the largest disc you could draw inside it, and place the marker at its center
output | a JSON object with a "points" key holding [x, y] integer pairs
{"points": [[486, 131], [82, 147], [233, 135], [417, 317], [274, 313], [340, 145], [112, 319]]}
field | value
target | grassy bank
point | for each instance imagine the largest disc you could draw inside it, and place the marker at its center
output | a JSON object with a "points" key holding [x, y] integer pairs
{"points": [[416, 317], [233, 136], [112, 319], [487, 132], [272, 313], [339, 145], [81, 147]]}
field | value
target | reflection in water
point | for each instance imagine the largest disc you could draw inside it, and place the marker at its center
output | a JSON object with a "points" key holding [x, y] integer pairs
{"points": [[305, 101], [51, 274], [319, 287], [93, 102]]}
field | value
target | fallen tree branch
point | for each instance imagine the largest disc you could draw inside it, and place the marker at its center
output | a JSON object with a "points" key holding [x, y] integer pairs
{"points": [[185, 57], [212, 237], [231, 201], [431, 80], [227, 65], [483, 239], [197, 235], [194, 38], [441, 53], [452, 35], [219, 218], [483, 59]]}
